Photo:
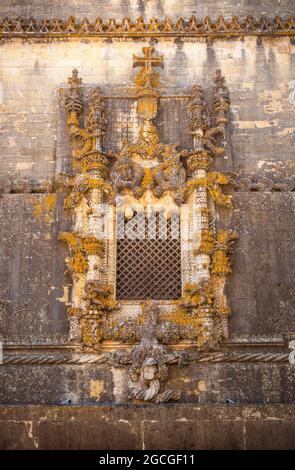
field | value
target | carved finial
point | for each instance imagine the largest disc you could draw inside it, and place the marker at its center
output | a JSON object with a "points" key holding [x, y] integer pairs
{"points": [[73, 102], [96, 121], [219, 78], [221, 99]]}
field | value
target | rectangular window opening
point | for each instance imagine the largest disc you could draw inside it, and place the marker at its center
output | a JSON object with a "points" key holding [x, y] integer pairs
{"points": [[149, 259]]}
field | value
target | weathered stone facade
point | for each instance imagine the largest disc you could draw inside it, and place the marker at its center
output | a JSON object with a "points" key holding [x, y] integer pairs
{"points": [[41, 364]]}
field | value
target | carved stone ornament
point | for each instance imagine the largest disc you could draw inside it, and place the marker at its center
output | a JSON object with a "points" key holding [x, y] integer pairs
{"points": [[148, 173], [149, 359]]}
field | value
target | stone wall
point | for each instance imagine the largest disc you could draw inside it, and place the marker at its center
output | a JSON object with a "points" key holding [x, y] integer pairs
{"points": [[262, 145], [146, 8], [199, 383], [148, 428], [258, 74]]}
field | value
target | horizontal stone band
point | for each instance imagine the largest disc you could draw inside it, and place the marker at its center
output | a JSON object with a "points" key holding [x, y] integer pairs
{"points": [[21, 27], [56, 359]]}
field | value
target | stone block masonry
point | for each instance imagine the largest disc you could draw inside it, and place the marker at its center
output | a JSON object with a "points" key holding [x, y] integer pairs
{"points": [[147, 427]]}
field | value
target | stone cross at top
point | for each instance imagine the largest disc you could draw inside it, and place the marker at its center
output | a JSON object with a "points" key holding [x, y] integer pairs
{"points": [[148, 61]]}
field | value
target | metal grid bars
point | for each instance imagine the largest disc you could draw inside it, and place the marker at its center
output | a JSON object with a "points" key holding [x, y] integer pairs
{"points": [[149, 259]]}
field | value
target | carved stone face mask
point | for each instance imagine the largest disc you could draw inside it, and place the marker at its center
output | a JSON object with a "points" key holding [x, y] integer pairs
{"points": [[149, 372]]}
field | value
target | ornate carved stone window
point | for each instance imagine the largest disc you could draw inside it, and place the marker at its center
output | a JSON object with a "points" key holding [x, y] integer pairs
{"points": [[143, 217]]}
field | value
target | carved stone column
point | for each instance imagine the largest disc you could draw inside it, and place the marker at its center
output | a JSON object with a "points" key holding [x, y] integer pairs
{"points": [[198, 164], [223, 238], [92, 294]]}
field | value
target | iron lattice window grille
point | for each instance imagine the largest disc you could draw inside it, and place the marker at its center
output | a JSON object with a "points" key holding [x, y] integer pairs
{"points": [[149, 258]]}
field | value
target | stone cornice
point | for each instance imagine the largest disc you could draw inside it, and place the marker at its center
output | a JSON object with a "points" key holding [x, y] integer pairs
{"points": [[45, 354], [127, 28]]}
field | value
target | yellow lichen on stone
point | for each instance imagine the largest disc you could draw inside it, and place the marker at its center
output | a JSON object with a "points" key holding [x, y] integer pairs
{"points": [[45, 207], [202, 386], [195, 295], [221, 264], [206, 244], [181, 317], [78, 263], [96, 388], [147, 180], [93, 246]]}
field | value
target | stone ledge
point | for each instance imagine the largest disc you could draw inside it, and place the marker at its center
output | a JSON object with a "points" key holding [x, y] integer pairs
{"points": [[148, 427], [207, 27]]}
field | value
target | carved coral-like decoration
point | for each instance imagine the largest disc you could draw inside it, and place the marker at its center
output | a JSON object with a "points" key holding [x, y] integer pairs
{"points": [[223, 246], [204, 299]]}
